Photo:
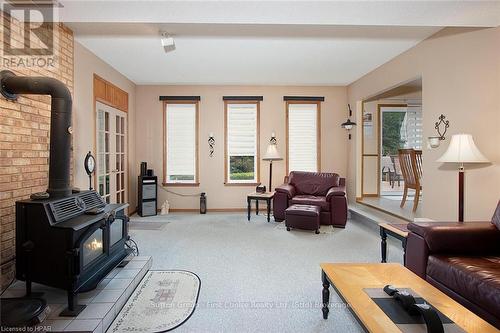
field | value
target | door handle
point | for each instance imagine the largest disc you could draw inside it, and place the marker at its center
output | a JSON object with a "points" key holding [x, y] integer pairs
{"points": [[115, 171]]}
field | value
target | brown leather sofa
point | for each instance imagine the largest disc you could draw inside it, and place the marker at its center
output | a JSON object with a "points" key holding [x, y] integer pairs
{"points": [[460, 259], [325, 190]]}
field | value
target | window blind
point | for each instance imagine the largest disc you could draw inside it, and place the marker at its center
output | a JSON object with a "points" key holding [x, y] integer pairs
{"points": [[181, 143], [411, 128], [302, 137], [242, 139]]}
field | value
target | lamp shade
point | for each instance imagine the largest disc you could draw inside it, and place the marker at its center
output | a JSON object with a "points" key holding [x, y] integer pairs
{"points": [[462, 149], [272, 153]]}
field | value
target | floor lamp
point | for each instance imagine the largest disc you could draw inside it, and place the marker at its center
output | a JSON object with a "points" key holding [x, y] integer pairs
{"points": [[462, 149], [271, 155]]}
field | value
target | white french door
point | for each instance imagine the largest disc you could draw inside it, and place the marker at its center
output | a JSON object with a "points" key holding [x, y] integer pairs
{"points": [[111, 154]]}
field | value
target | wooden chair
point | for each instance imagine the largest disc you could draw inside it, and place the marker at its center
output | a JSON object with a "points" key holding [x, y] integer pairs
{"points": [[410, 162]]}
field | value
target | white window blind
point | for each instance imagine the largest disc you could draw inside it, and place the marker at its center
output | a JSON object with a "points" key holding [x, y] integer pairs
{"points": [[302, 137], [181, 143], [242, 142]]}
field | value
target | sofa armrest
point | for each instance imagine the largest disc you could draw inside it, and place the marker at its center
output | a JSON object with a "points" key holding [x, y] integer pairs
{"points": [[470, 238], [335, 192], [288, 189]]}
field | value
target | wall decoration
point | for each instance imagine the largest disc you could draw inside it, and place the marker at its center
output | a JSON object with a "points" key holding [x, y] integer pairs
{"points": [[211, 144]]}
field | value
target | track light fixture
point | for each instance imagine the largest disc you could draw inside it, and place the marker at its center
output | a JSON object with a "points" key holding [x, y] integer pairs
{"points": [[167, 41]]}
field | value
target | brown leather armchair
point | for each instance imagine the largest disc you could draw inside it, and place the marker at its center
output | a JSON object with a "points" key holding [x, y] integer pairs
{"points": [[326, 190], [460, 259]]}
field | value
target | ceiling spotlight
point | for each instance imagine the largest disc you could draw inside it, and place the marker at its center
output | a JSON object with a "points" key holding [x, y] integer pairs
{"points": [[167, 41]]}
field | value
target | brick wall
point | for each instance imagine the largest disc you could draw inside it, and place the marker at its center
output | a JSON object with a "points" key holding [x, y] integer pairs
{"points": [[24, 141]]}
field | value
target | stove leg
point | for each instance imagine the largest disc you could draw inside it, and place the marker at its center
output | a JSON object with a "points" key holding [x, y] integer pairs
{"points": [[73, 308], [28, 288]]}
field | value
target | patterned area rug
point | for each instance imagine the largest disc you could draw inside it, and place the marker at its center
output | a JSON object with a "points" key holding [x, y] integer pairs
{"points": [[162, 301]]}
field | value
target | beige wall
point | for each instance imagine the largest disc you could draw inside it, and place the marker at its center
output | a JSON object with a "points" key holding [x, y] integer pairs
{"points": [[86, 65], [460, 69], [272, 118]]}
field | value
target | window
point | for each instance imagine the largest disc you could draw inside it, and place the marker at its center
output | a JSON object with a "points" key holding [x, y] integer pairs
{"points": [[242, 142], [303, 136], [181, 148]]}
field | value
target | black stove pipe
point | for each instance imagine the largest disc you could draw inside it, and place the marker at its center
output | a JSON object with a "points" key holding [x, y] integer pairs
{"points": [[60, 123]]}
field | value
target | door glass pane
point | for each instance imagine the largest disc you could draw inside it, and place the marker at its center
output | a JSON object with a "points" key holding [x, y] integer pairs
{"points": [[107, 163], [101, 170], [123, 144], [101, 185], [106, 142], [118, 125], [107, 184], [100, 120], [106, 121], [123, 125], [100, 141]]}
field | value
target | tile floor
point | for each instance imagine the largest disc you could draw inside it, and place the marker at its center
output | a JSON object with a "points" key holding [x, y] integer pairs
{"points": [[103, 303]]}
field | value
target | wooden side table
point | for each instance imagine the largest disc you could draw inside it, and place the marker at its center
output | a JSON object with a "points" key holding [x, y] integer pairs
{"points": [[267, 197], [398, 231]]}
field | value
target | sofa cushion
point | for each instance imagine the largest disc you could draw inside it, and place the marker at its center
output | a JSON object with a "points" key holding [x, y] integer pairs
{"points": [[496, 216], [311, 200], [313, 183], [475, 278]]}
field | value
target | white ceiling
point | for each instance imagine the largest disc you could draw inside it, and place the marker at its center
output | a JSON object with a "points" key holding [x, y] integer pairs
{"points": [[261, 42]]}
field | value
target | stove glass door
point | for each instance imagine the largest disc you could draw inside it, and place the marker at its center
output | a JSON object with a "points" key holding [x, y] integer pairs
{"points": [[116, 231], [93, 247]]}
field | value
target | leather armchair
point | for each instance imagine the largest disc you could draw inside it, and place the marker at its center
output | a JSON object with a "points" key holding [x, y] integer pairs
{"points": [[326, 190], [460, 259]]}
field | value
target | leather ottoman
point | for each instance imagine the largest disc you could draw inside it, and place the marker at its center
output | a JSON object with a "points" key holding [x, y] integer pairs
{"points": [[302, 217]]}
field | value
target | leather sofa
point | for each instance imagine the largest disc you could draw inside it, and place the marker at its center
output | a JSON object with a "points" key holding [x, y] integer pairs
{"points": [[460, 259], [325, 190]]}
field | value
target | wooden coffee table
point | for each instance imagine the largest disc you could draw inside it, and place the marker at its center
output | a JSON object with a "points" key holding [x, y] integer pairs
{"points": [[349, 280]]}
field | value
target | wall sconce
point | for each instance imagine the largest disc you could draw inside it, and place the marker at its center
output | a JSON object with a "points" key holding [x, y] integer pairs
{"points": [[434, 141], [211, 144], [348, 125]]}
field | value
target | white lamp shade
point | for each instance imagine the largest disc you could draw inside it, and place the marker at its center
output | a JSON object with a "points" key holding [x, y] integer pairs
{"points": [[462, 149], [271, 153]]}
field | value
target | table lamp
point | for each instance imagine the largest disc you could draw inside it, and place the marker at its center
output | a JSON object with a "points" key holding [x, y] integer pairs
{"points": [[271, 155], [462, 149]]}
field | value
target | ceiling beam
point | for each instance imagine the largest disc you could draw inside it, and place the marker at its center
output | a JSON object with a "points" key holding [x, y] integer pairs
{"points": [[371, 13]]}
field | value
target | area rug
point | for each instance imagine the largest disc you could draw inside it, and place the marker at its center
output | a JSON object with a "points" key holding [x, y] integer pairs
{"points": [[163, 300], [324, 229]]}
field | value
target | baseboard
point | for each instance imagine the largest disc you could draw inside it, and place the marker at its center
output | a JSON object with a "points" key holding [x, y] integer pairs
{"points": [[215, 210]]}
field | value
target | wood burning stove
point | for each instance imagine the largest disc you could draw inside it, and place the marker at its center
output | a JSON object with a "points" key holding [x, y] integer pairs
{"points": [[64, 239], [60, 244]]}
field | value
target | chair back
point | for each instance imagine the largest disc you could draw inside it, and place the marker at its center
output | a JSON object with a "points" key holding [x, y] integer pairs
{"points": [[410, 162]]}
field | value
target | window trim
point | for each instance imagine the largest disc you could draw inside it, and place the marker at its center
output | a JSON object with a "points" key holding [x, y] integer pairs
{"points": [[165, 144], [226, 175], [318, 130]]}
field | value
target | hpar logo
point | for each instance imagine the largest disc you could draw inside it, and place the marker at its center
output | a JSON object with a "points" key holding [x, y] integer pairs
{"points": [[36, 33]]}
